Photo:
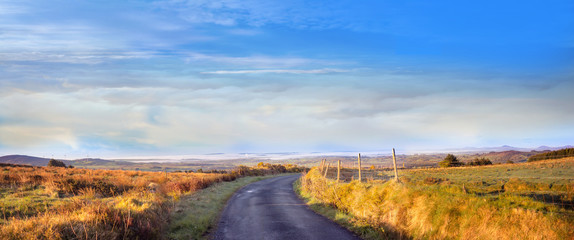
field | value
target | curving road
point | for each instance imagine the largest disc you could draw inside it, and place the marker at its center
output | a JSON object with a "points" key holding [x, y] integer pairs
{"points": [[269, 209]]}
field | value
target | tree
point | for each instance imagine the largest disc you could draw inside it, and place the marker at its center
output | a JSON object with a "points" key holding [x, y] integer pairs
{"points": [[480, 162], [562, 153], [450, 161], [56, 163]]}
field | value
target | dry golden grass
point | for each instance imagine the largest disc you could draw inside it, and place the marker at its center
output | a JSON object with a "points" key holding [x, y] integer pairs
{"points": [[440, 211], [68, 203], [56, 203]]}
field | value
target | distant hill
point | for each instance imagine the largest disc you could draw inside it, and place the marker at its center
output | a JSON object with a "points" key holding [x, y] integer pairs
{"points": [[27, 160], [505, 156], [546, 148], [37, 161], [505, 148]]}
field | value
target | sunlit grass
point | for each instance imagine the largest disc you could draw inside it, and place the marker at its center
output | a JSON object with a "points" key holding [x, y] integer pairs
{"points": [[457, 203], [64, 203]]}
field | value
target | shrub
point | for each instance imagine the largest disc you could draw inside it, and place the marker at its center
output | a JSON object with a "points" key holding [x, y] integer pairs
{"points": [[480, 162], [450, 161], [56, 163]]}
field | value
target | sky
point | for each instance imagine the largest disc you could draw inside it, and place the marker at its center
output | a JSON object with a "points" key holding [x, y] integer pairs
{"points": [[178, 77]]}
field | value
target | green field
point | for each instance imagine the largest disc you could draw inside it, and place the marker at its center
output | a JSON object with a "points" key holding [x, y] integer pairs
{"points": [[552, 175]]}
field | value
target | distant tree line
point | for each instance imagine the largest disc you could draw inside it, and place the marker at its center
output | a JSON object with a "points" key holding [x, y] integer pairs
{"points": [[260, 170], [562, 153], [268, 168], [452, 161]]}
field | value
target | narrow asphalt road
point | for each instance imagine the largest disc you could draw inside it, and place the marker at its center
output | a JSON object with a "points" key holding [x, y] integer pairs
{"points": [[269, 209]]}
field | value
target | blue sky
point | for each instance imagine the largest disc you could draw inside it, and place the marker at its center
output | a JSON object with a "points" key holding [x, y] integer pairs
{"points": [[125, 78]]}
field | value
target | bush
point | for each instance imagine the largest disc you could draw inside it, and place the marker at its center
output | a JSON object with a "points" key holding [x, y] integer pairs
{"points": [[56, 163], [480, 162], [450, 161]]}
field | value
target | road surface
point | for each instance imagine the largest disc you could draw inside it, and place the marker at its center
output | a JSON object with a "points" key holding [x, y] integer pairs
{"points": [[269, 209]]}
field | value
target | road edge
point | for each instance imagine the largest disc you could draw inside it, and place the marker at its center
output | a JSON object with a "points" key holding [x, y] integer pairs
{"points": [[194, 223], [335, 215]]}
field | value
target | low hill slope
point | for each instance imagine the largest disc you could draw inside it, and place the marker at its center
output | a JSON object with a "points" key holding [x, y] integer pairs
{"points": [[27, 160], [41, 162]]}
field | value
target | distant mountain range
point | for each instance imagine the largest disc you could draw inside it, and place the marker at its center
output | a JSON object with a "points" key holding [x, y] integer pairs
{"points": [[508, 148], [497, 154]]}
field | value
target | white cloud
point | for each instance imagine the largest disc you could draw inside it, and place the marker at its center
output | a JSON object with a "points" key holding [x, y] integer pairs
{"points": [[297, 118], [33, 136], [262, 63], [257, 13], [8, 7], [45, 37], [75, 57], [253, 61], [245, 32], [293, 71]]}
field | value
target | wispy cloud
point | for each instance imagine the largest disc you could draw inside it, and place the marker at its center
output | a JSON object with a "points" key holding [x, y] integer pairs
{"points": [[39, 37], [26, 135], [244, 32], [267, 64], [253, 61], [296, 14], [205, 75], [167, 117], [11, 8], [293, 71], [75, 57]]}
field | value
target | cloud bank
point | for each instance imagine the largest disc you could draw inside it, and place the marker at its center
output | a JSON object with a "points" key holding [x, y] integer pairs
{"points": [[188, 77]]}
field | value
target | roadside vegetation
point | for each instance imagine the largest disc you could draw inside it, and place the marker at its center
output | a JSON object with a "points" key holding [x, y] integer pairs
{"points": [[70, 203], [505, 201]]}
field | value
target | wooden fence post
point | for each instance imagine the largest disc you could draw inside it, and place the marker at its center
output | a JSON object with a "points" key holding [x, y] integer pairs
{"points": [[326, 170], [338, 170], [360, 176], [395, 165]]}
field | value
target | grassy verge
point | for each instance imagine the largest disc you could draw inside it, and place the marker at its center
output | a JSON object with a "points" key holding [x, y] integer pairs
{"points": [[196, 214], [440, 211], [346, 220]]}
